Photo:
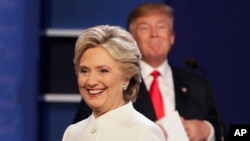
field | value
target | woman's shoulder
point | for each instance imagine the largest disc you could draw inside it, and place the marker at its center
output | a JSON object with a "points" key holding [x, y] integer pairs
{"points": [[142, 120], [148, 129], [78, 126]]}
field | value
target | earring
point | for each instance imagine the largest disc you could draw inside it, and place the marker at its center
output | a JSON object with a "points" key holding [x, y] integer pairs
{"points": [[124, 87]]}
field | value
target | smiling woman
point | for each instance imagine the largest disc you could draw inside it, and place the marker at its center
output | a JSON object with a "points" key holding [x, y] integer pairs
{"points": [[108, 73], [101, 80]]}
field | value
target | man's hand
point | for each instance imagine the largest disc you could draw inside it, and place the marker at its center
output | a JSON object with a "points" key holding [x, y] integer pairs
{"points": [[197, 130]]}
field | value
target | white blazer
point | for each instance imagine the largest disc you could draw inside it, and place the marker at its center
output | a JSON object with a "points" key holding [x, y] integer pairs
{"points": [[121, 124]]}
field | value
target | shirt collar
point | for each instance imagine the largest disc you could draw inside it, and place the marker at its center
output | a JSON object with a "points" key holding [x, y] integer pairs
{"points": [[119, 115], [146, 69]]}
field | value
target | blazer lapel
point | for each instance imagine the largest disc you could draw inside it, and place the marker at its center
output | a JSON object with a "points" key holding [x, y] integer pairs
{"points": [[181, 92], [143, 103]]}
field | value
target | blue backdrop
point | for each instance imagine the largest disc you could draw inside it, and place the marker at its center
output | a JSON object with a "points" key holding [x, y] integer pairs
{"points": [[19, 28], [217, 34]]}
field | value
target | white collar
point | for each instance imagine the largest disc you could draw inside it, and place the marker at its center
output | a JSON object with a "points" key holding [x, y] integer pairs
{"points": [[146, 69], [119, 115]]}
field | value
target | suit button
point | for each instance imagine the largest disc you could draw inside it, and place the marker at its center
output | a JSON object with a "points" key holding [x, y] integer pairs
{"points": [[93, 130]]}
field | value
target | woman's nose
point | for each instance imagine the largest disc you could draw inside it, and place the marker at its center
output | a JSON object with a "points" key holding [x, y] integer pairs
{"points": [[92, 80]]}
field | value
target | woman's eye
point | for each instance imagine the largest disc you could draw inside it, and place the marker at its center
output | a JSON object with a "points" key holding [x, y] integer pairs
{"points": [[83, 71], [103, 71]]}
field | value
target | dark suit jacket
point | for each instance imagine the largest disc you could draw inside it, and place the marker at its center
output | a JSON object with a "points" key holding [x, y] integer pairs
{"points": [[193, 98]]}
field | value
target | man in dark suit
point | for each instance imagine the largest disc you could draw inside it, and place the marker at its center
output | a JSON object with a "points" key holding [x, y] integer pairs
{"points": [[190, 95]]}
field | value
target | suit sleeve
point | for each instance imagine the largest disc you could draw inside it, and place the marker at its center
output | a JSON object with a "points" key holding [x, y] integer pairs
{"points": [[214, 118]]}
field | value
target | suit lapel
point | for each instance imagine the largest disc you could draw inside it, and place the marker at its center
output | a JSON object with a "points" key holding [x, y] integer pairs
{"points": [[181, 91], [143, 103]]}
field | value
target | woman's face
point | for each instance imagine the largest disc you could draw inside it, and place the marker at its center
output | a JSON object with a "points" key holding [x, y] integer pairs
{"points": [[100, 81]]}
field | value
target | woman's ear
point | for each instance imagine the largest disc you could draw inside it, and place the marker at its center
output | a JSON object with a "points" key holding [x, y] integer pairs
{"points": [[126, 83]]}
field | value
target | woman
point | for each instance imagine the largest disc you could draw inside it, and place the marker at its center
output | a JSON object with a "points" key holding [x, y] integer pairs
{"points": [[108, 72]]}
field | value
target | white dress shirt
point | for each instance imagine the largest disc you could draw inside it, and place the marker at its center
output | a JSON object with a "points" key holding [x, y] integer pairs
{"points": [[166, 85]]}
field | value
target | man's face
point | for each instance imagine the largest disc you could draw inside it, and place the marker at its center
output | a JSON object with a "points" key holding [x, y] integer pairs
{"points": [[154, 36]]}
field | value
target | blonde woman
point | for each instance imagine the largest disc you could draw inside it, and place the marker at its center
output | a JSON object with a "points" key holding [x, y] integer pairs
{"points": [[108, 72]]}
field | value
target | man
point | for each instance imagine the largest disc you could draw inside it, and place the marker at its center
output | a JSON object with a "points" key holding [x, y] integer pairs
{"points": [[189, 95]]}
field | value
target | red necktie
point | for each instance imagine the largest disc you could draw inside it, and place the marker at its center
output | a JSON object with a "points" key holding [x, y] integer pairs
{"points": [[156, 97]]}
